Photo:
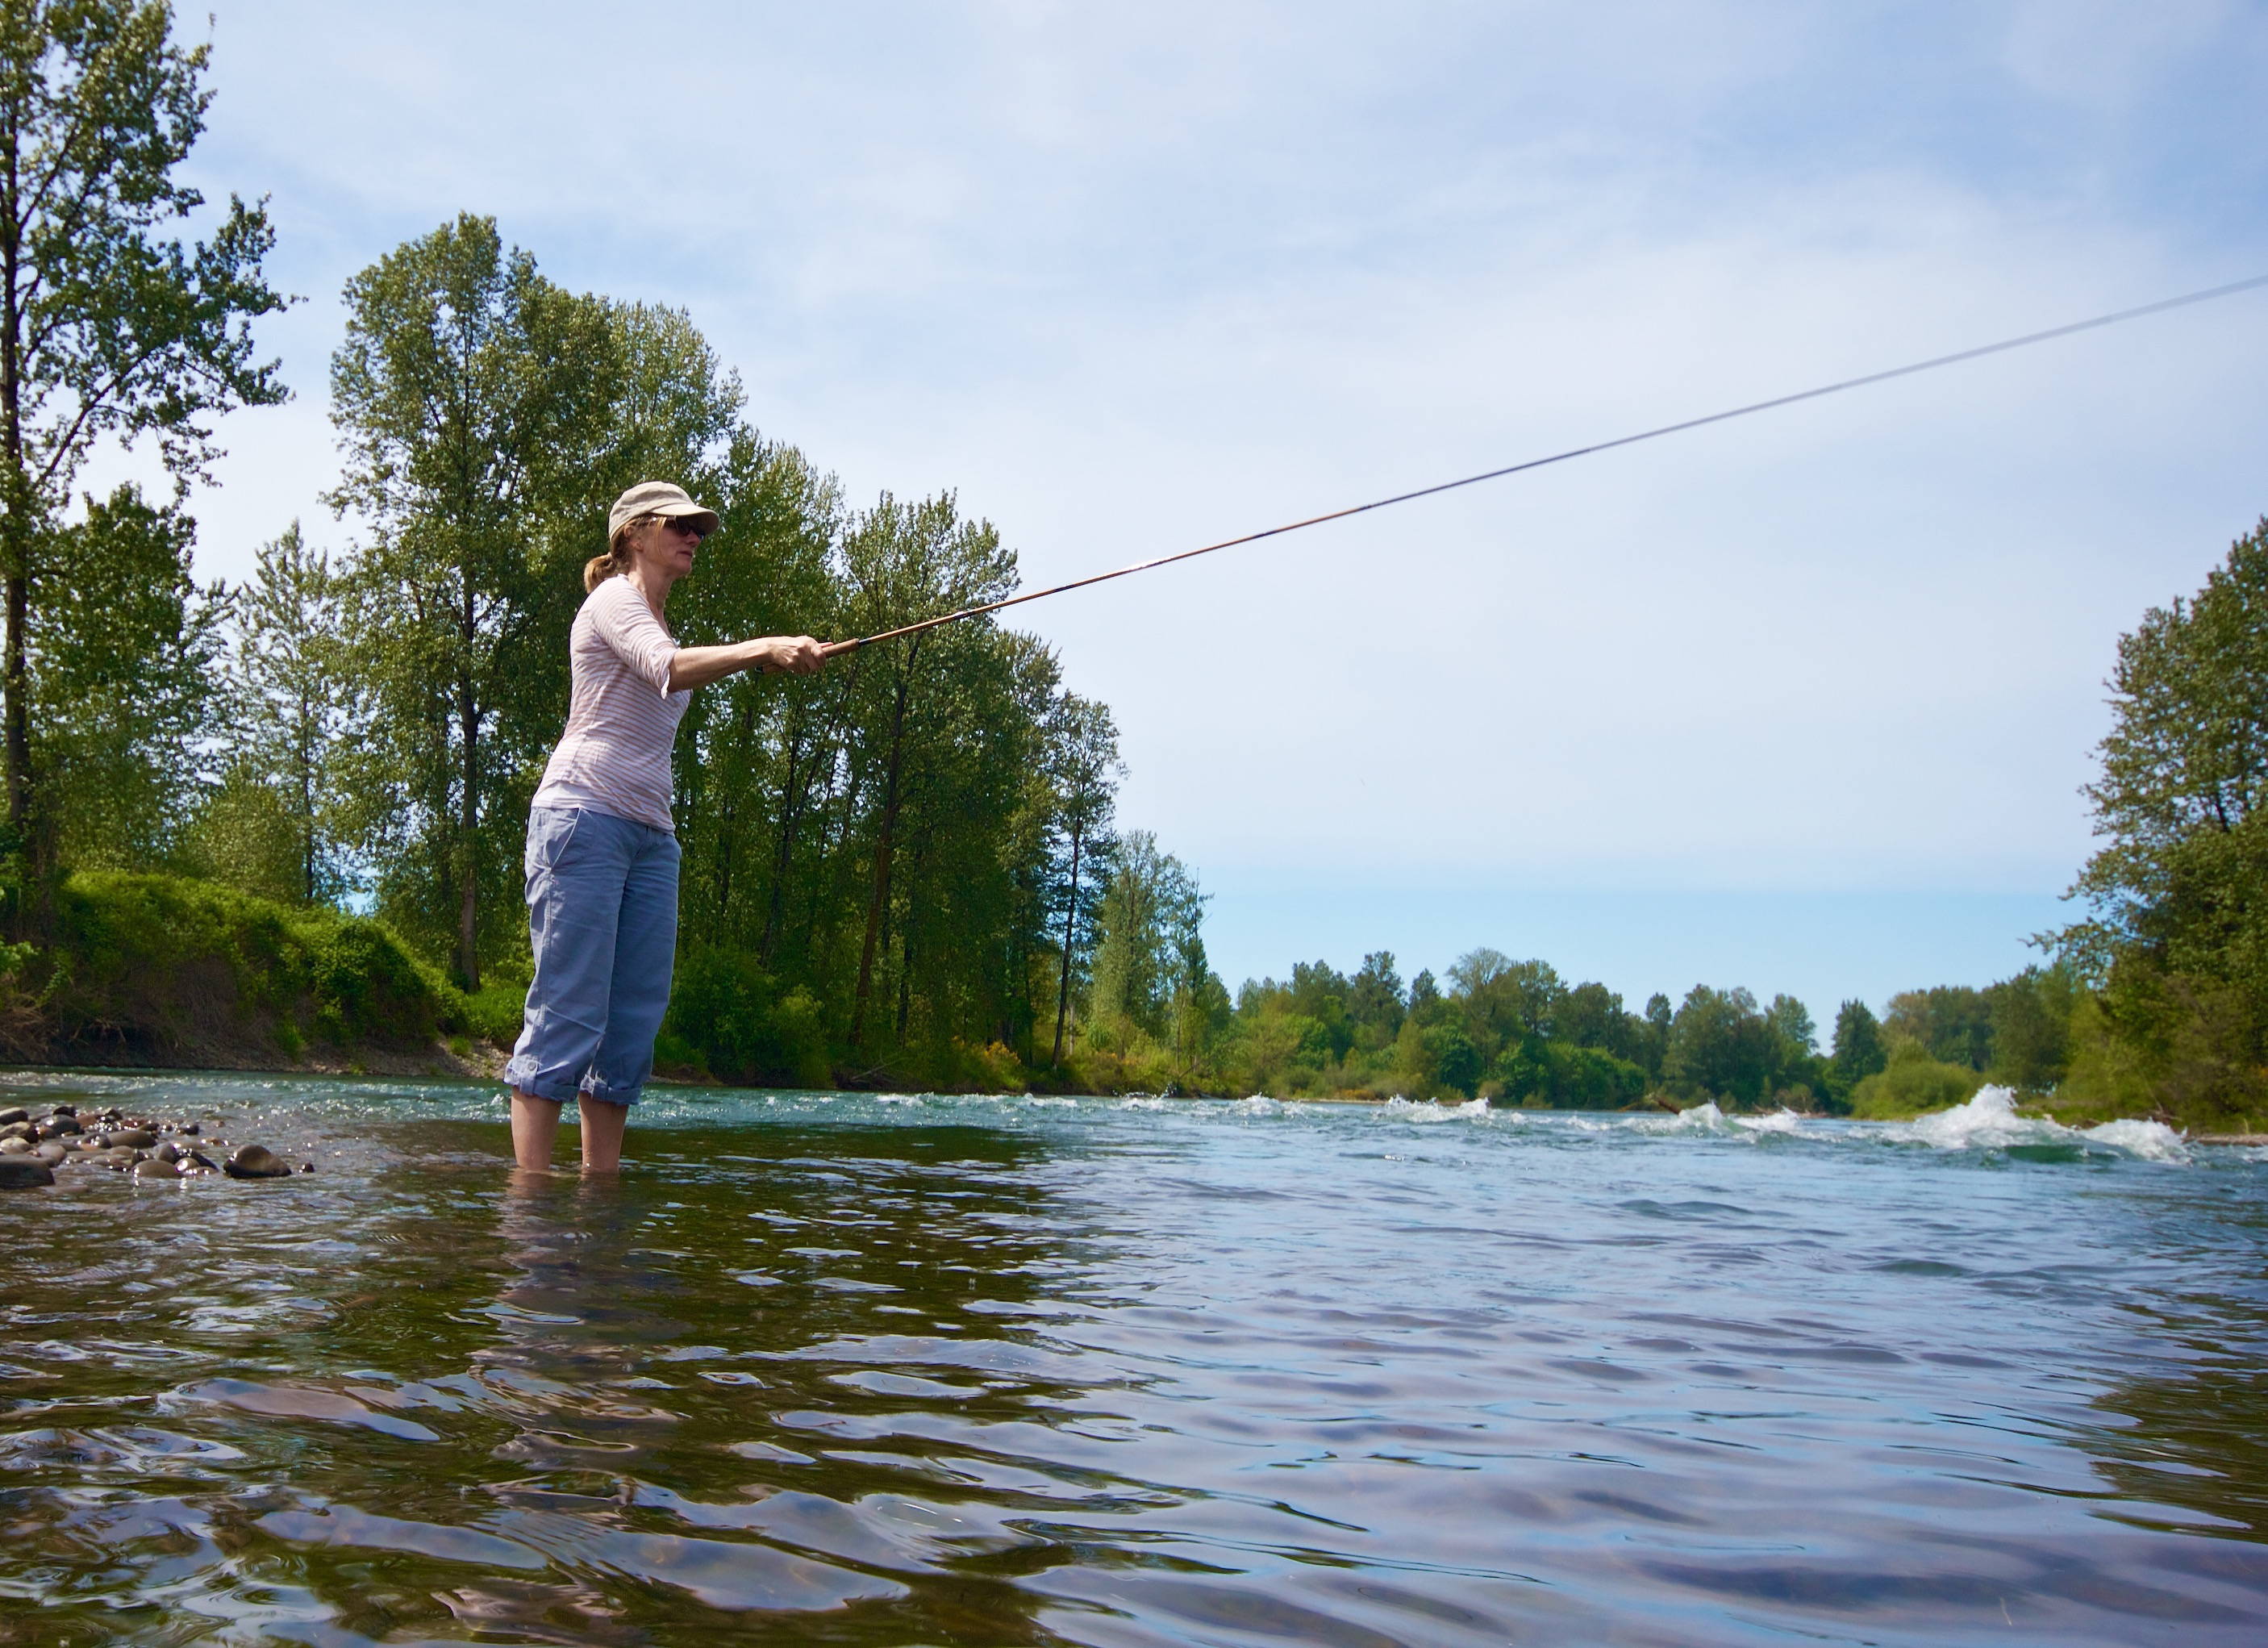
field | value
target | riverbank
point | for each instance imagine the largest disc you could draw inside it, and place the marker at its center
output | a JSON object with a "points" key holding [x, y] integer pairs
{"points": [[159, 972], [165, 972]]}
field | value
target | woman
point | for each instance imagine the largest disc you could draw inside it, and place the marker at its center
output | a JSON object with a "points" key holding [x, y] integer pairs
{"points": [[601, 848]]}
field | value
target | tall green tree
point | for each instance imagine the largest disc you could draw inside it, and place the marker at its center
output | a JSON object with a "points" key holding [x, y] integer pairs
{"points": [[1082, 766], [287, 695], [1721, 1046], [1150, 966], [467, 405], [113, 324], [904, 562], [1858, 1051], [1952, 1023], [127, 654], [1375, 1000], [2177, 932]]}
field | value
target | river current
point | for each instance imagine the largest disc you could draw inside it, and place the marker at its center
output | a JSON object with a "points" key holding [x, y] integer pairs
{"points": [[858, 1370]]}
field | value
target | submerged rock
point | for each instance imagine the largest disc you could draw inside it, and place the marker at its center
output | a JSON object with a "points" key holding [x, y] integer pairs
{"points": [[14, 1112], [24, 1172], [135, 1138], [256, 1161], [65, 1122], [167, 1150], [53, 1155], [156, 1167]]}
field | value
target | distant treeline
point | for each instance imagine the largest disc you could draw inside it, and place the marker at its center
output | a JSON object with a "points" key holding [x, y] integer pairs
{"points": [[1518, 1033]]}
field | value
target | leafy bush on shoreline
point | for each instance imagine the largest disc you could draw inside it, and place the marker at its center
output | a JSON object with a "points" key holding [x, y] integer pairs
{"points": [[1913, 1084], [155, 966]]}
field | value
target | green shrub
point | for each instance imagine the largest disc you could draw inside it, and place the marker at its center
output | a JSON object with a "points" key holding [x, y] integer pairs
{"points": [[732, 1016], [166, 965], [497, 1010], [1912, 1085]]}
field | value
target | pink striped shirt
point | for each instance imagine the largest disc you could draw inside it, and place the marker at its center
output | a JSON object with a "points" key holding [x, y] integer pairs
{"points": [[622, 718]]}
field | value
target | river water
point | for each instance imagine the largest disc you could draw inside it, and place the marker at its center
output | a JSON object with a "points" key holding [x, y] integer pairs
{"points": [[858, 1369]]}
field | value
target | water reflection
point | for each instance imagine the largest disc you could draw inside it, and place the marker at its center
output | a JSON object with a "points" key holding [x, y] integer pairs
{"points": [[1229, 1374]]}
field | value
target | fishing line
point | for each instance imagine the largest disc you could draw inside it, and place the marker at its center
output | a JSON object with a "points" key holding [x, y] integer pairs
{"points": [[834, 647]]}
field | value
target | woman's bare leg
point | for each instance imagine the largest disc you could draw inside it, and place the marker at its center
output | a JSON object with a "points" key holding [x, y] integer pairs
{"points": [[534, 1125], [602, 1133]]}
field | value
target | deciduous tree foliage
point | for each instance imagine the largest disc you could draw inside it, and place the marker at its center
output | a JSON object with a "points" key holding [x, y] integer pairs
{"points": [[467, 405], [2177, 933], [113, 324], [285, 697], [126, 654]]}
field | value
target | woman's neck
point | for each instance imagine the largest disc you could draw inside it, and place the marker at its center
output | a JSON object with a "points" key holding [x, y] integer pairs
{"points": [[651, 582]]}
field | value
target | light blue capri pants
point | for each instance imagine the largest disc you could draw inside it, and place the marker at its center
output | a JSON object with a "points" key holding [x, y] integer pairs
{"points": [[602, 913]]}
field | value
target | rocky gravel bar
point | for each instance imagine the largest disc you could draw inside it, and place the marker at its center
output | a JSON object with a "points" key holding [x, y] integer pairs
{"points": [[33, 1149]]}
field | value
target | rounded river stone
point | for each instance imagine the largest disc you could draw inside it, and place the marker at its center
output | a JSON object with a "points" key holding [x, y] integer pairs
{"points": [[256, 1161], [24, 1172]]}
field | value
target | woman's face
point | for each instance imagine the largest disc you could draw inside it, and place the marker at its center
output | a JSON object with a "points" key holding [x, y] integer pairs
{"points": [[667, 545]]}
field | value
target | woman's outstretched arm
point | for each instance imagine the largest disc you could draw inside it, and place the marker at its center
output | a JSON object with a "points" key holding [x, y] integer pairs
{"points": [[697, 666]]}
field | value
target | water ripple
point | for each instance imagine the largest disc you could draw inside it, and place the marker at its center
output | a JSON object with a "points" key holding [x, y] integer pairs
{"points": [[926, 1369]]}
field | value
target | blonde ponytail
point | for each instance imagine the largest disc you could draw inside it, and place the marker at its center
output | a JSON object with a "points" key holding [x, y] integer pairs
{"points": [[616, 561]]}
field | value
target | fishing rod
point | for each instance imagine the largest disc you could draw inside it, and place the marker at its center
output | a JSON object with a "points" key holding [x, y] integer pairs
{"points": [[835, 648]]}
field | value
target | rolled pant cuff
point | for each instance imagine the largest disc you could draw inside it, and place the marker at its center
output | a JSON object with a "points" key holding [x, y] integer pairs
{"points": [[524, 1079]]}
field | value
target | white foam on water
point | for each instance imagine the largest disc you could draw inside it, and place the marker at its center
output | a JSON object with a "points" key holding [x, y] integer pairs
{"points": [[1989, 1122], [1781, 1121], [1425, 1111], [2152, 1141], [1702, 1118]]}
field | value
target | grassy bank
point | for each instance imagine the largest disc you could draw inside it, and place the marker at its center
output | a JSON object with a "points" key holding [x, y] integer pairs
{"points": [[166, 970]]}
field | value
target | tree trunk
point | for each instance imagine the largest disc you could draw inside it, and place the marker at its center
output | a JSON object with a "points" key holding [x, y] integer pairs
{"points": [[306, 763], [728, 824], [1071, 915], [792, 788], [878, 904], [468, 962], [15, 529]]}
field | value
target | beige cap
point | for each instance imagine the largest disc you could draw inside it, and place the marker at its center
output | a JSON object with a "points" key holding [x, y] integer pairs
{"points": [[656, 497]]}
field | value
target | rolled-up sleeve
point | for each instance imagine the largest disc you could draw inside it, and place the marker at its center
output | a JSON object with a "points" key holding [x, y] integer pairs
{"points": [[628, 625]]}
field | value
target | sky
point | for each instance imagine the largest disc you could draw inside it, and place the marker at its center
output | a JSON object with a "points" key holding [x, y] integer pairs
{"points": [[1802, 703]]}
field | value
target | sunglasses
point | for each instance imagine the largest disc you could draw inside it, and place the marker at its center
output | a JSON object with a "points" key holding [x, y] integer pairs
{"points": [[684, 527]]}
